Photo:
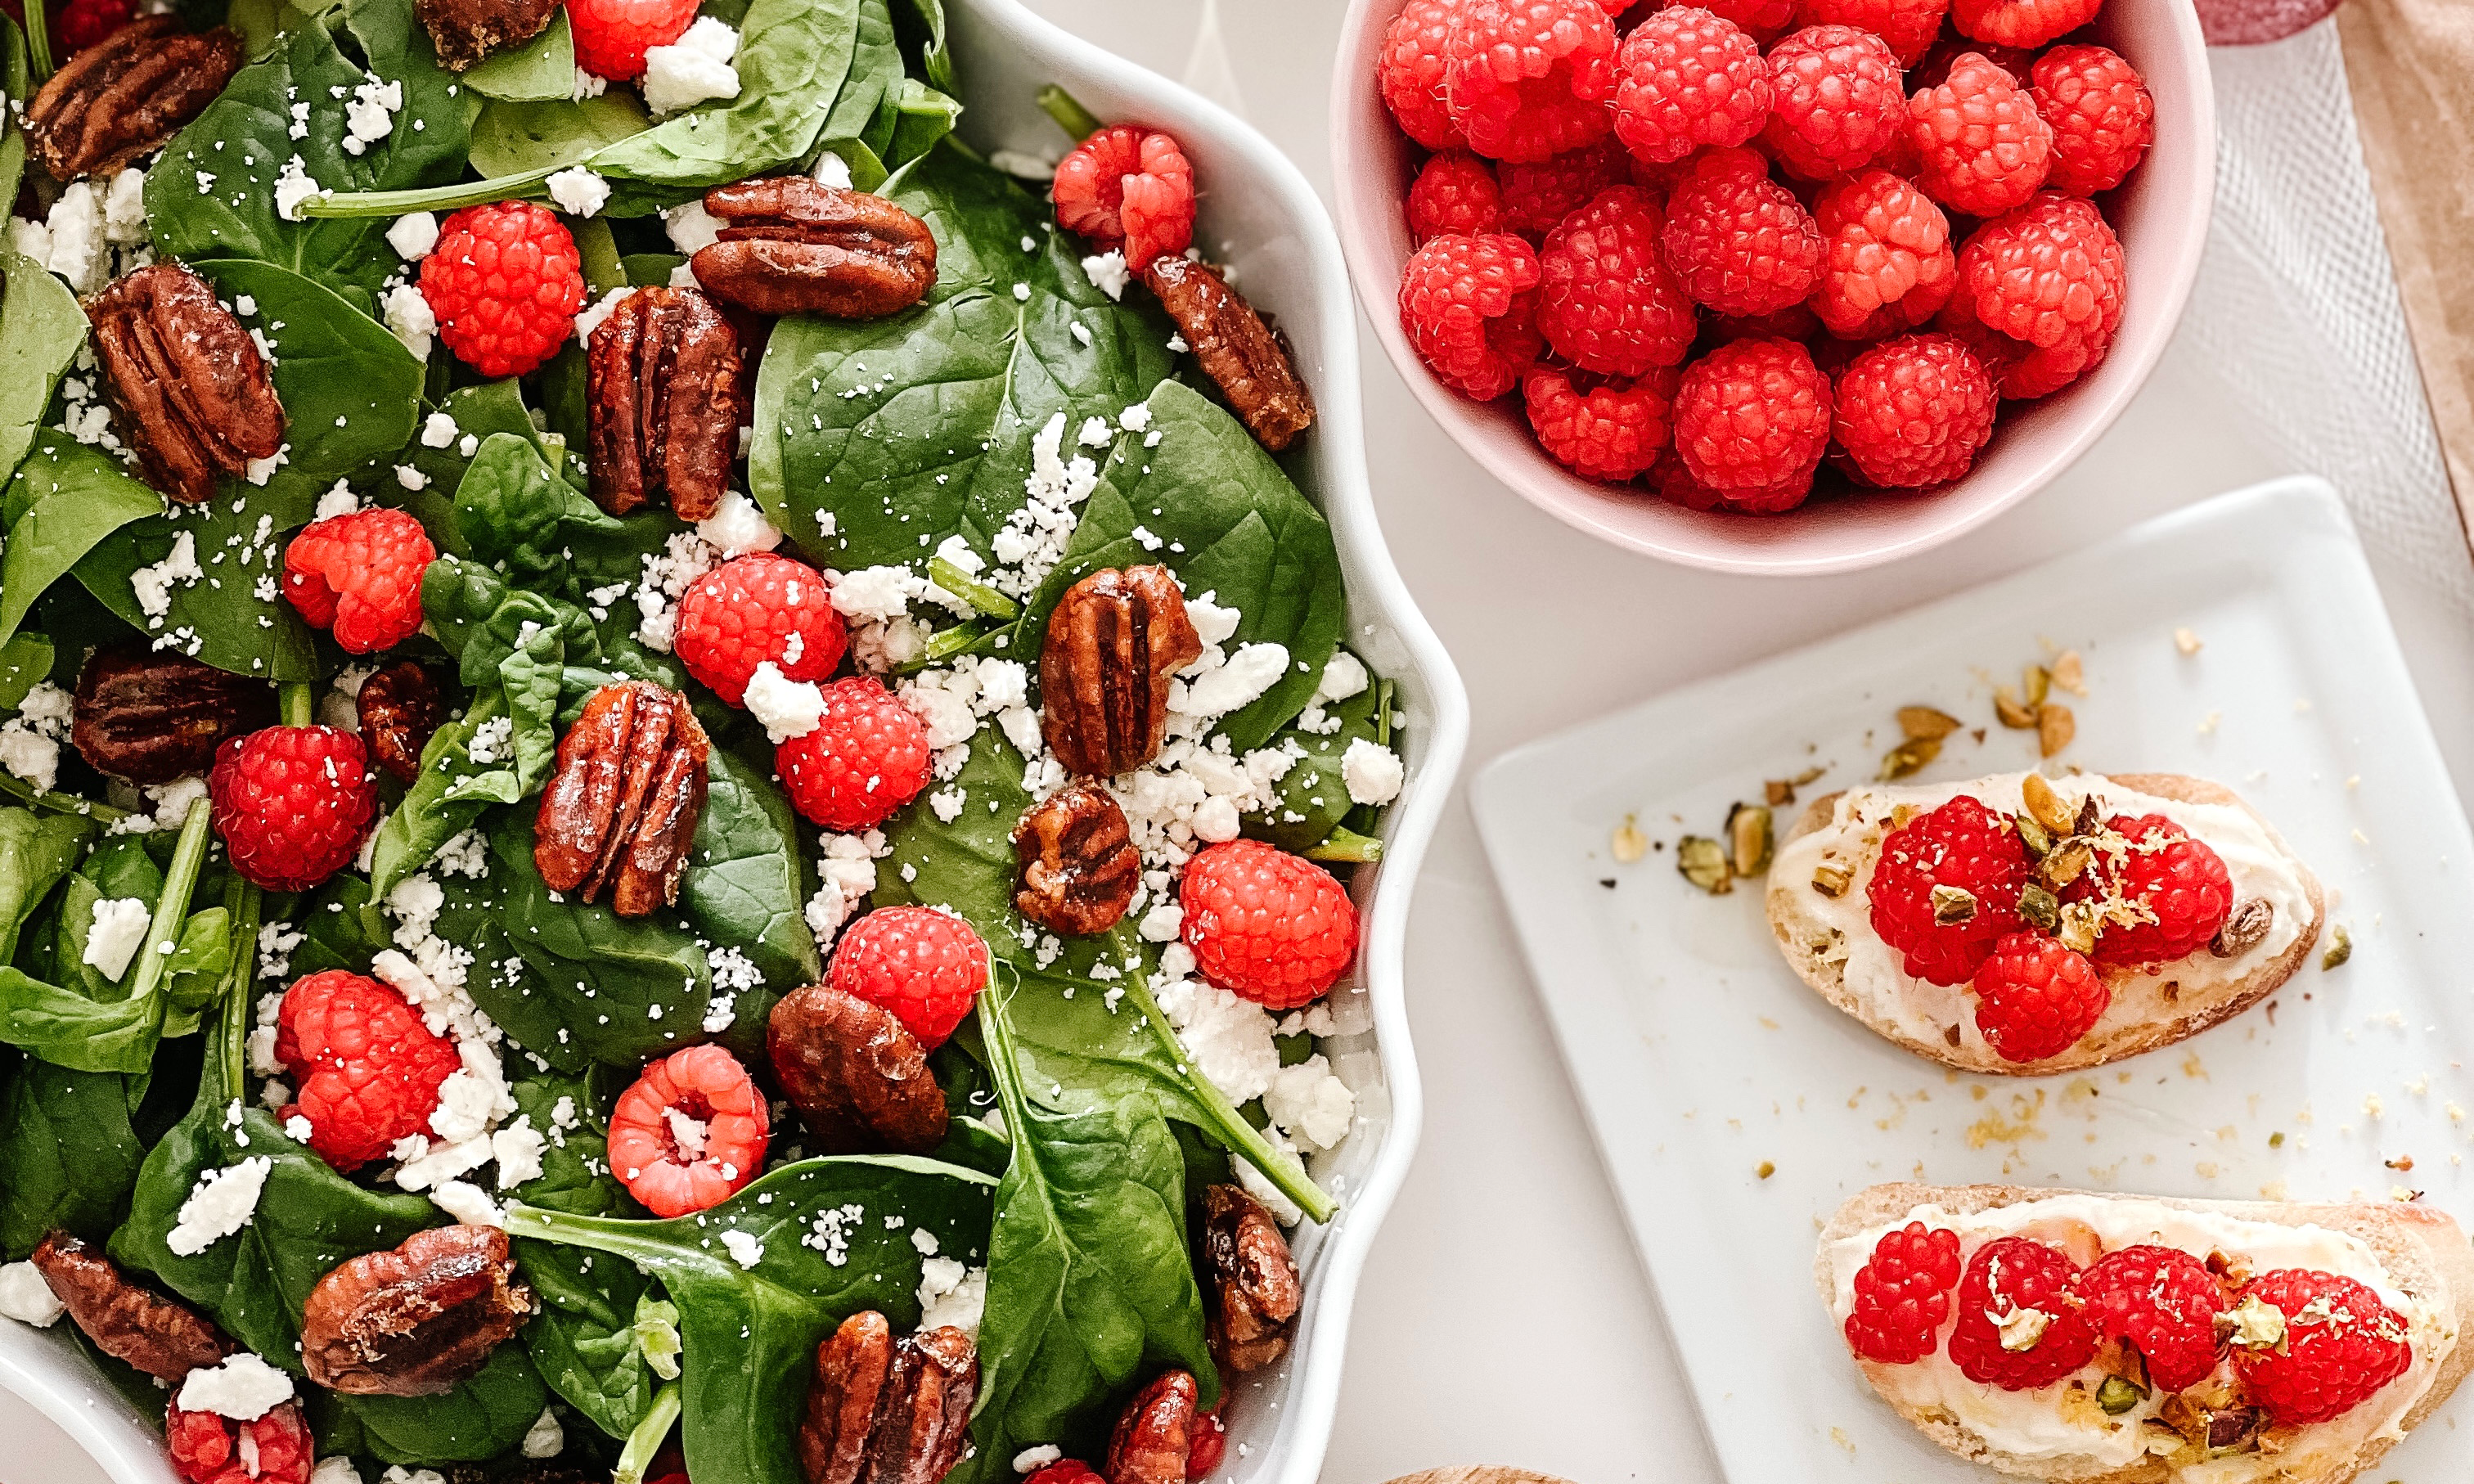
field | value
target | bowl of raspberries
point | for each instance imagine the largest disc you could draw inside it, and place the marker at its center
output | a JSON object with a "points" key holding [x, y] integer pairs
{"points": [[1774, 285]]}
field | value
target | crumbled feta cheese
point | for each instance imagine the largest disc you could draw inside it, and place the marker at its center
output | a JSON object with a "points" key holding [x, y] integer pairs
{"points": [[370, 115], [438, 431], [153, 584], [737, 526], [577, 190], [1212, 623], [339, 500], [788, 708], [26, 1298], [467, 1204], [243, 1388], [409, 318], [516, 1150], [80, 248], [1032, 1460], [124, 210], [220, 1203], [544, 1439], [1229, 1039], [1236, 682], [1309, 1104], [745, 1247], [952, 1295], [412, 236], [691, 227], [832, 170], [847, 870], [1343, 676], [1108, 273], [299, 1130], [694, 69], [598, 310], [587, 85], [666, 577], [120, 925], [1372, 771], [1134, 420], [339, 1470], [292, 188]]}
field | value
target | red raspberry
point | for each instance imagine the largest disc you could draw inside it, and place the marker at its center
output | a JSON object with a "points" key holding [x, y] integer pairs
{"points": [[360, 575], [1609, 432], [1675, 483], [84, 23], [1455, 193], [1128, 188], [2020, 370], [2034, 998], [2048, 274], [1528, 79], [1537, 195], [1980, 146], [1838, 103], [923, 964], [1409, 73], [2163, 1303], [1763, 20], [1752, 418], [1947, 51], [1903, 1295], [292, 804], [505, 284], [1885, 262], [1684, 79], [867, 757], [1265, 925], [1469, 306], [690, 1133], [2007, 1277], [2102, 118], [2021, 23], [365, 1065], [2341, 1343], [1066, 1471], [2158, 872], [1735, 239], [1912, 412], [1959, 845], [1605, 302], [1906, 26], [612, 36], [755, 608], [207, 1449]]}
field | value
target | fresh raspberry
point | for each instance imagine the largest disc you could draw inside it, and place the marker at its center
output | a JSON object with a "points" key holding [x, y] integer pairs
{"points": [[1886, 262], [2020, 371], [1763, 20], [505, 284], [207, 1448], [2341, 1345], [1675, 484], [1409, 73], [1537, 195], [292, 804], [360, 575], [1128, 188], [612, 36], [1959, 845], [1980, 146], [2035, 998], [2017, 1292], [867, 757], [1684, 79], [755, 608], [2048, 274], [2021, 23], [366, 1066], [1946, 51], [1066, 1471], [1528, 79], [1737, 240], [1605, 302], [1753, 416], [1469, 307], [1906, 26], [84, 23], [1265, 925], [2163, 1303], [2164, 893], [1609, 432], [1836, 104], [1903, 1295], [923, 964], [1912, 412], [690, 1133], [2101, 116], [1455, 193]]}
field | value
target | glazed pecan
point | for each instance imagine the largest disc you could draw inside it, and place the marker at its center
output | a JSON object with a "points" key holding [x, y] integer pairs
{"points": [[160, 1336], [1156, 1433], [463, 32], [1079, 865], [415, 1321], [126, 94], [859, 1078], [665, 408], [1113, 643], [621, 809], [883, 1411], [191, 391], [400, 707], [1246, 359], [789, 245], [1249, 1282], [152, 716]]}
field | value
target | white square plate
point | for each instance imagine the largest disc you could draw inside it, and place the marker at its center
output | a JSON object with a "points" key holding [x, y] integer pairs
{"points": [[1704, 1060]]}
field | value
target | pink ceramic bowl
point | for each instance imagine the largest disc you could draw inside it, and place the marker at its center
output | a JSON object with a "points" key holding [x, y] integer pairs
{"points": [[2161, 214]]}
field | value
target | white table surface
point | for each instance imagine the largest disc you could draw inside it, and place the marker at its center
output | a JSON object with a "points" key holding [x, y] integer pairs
{"points": [[1504, 1316]]}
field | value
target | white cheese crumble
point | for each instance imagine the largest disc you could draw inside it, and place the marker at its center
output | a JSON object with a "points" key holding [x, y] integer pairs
{"points": [[153, 583], [243, 1388], [832, 170], [1107, 273], [691, 227], [370, 115], [1236, 682], [1309, 1104], [951, 1294], [1032, 1460], [1344, 676], [577, 190], [694, 69], [412, 235], [124, 210], [1371, 772], [220, 1203], [120, 925], [846, 866], [410, 318], [737, 525], [788, 708], [337, 1470], [438, 431], [1229, 1039], [26, 1298], [745, 1247], [292, 188], [595, 312]]}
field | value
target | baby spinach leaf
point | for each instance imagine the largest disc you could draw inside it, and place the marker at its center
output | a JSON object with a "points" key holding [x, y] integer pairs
{"points": [[36, 851], [745, 887], [477, 412], [15, 77], [64, 500], [826, 1250], [25, 663], [542, 68], [485, 1416], [71, 1154], [921, 25], [41, 330], [516, 513], [234, 617], [1312, 798], [446, 797], [351, 391], [517, 137], [118, 867]]}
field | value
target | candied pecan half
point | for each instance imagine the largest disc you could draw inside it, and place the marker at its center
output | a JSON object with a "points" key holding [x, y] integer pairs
{"points": [[414, 1320], [789, 245], [887, 1411], [1249, 1282], [401, 707], [192, 393], [665, 407], [1115, 640], [128, 94], [152, 716], [859, 1078], [621, 808], [160, 1336], [1244, 357], [463, 32], [1156, 1433], [1078, 865]]}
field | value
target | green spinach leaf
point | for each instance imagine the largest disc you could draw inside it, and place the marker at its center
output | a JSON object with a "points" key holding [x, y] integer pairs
{"points": [[1312, 798], [745, 886], [540, 70], [63, 502], [36, 851], [518, 514], [71, 1153], [351, 391], [519, 138], [232, 615], [41, 330]]}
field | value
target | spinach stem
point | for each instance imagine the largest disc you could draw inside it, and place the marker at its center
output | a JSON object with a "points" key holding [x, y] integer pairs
{"points": [[1346, 847], [947, 642], [38, 43], [979, 595], [433, 198], [57, 802], [1068, 111], [172, 907], [299, 700], [647, 1438]]}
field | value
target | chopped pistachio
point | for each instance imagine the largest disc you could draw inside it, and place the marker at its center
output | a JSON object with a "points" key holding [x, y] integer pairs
{"points": [[1748, 835], [2055, 726], [1703, 862], [2032, 836], [1926, 722], [2340, 947], [2118, 1395], [2069, 673], [2065, 863], [2039, 907], [2010, 710], [1629, 843], [2044, 804], [1831, 881], [1952, 905], [1908, 756], [2077, 929]]}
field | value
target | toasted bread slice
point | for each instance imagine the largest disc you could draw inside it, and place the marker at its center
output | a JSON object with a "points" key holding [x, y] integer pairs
{"points": [[2423, 1252], [2149, 1009]]}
